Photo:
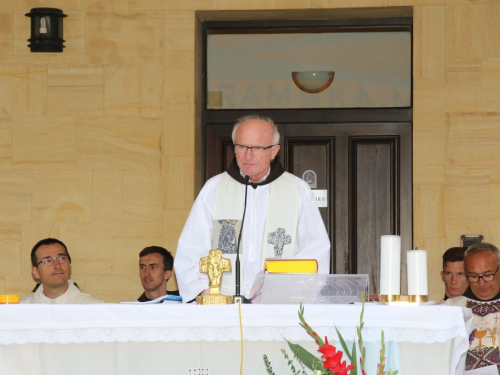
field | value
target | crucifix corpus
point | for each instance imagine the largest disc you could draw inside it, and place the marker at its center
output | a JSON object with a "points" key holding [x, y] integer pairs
{"points": [[214, 265]]}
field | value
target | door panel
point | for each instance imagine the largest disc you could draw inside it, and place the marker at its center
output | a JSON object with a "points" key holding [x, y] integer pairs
{"points": [[219, 148], [316, 157], [373, 183]]}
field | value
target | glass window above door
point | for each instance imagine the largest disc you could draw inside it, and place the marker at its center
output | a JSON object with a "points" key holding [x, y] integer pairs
{"points": [[253, 70]]}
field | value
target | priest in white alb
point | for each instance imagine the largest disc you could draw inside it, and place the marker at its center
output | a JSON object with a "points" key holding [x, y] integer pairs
{"points": [[282, 219]]}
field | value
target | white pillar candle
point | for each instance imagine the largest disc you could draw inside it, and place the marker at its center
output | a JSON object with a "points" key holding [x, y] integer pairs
{"points": [[390, 265], [417, 272]]}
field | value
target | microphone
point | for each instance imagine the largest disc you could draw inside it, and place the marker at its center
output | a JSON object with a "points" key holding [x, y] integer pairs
{"points": [[238, 298]]}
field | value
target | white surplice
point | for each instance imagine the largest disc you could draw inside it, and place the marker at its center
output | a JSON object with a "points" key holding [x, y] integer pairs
{"points": [[72, 295], [311, 237]]}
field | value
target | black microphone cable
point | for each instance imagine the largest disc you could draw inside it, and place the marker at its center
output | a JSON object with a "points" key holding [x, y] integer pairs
{"points": [[237, 262]]}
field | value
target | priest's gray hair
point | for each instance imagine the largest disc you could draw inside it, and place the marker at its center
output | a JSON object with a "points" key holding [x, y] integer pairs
{"points": [[483, 246], [241, 120]]}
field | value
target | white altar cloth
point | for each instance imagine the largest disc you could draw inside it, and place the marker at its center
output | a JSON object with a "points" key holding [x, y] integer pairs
{"points": [[45, 330]]}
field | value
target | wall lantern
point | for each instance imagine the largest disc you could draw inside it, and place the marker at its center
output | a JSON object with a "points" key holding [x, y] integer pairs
{"points": [[46, 30]]}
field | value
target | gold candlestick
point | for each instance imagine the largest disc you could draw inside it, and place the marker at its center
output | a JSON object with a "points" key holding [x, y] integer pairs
{"points": [[386, 298], [417, 298]]}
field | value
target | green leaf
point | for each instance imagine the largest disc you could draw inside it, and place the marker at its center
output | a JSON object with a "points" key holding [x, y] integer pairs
{"points": [[344, 345], [305, 357], [354, 360], [267, 363], [350, 354]]}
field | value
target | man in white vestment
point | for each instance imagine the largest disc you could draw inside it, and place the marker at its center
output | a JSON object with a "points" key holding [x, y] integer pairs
{"points": [[51, 264], [482, 261], [282, 219]]}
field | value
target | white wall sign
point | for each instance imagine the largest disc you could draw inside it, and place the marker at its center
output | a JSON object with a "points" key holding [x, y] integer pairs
{"points": [[321, 197]]}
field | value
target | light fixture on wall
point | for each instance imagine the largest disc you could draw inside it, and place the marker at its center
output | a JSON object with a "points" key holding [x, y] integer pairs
{"points": [[313, 82], [467, 240], [46, 30]]}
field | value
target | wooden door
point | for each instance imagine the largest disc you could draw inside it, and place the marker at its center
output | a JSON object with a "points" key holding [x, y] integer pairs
{"points": [[356, 141], [366, 172]]}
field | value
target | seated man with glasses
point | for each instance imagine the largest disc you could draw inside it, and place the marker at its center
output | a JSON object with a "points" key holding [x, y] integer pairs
{"points": [[52, 266], [482, 261], [453, 273], [282, 219]]}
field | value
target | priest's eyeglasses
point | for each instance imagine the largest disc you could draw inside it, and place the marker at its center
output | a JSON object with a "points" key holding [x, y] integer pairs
{"points": [[486, 277], [48, 261], [254, 149]]}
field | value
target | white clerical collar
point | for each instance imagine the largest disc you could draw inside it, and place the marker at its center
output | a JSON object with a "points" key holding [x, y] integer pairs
{"points": [[262, 179]]}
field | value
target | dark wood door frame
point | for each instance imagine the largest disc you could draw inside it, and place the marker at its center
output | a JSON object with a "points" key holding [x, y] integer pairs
{"points": [[211, 123], [386, 18]]}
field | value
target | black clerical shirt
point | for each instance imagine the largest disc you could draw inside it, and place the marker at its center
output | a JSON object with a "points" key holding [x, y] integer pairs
{"points": [[469, 294], [144, 298]]}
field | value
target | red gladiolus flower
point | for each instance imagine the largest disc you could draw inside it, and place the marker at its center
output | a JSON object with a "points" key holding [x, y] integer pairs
{"points": [[333, 358], [342, 369], [333, 362], [328, 350]]}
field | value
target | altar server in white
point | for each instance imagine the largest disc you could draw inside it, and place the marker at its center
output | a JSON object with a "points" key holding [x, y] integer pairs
{"points": [[282, 219], [51, 264]]}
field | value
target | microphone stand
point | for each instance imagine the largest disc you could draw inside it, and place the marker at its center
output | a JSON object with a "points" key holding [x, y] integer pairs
{"points": [[238, 298]]}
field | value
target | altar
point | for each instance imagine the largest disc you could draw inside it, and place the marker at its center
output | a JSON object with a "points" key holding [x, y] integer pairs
{"points": [[188, 339]]}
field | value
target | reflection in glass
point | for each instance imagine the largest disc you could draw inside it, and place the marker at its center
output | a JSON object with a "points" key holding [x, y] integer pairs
{"points": [[252, 71]]}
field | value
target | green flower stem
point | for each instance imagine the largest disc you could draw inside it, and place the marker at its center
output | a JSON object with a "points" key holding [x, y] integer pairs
{"points": [[359, 329], [308, 329]]}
